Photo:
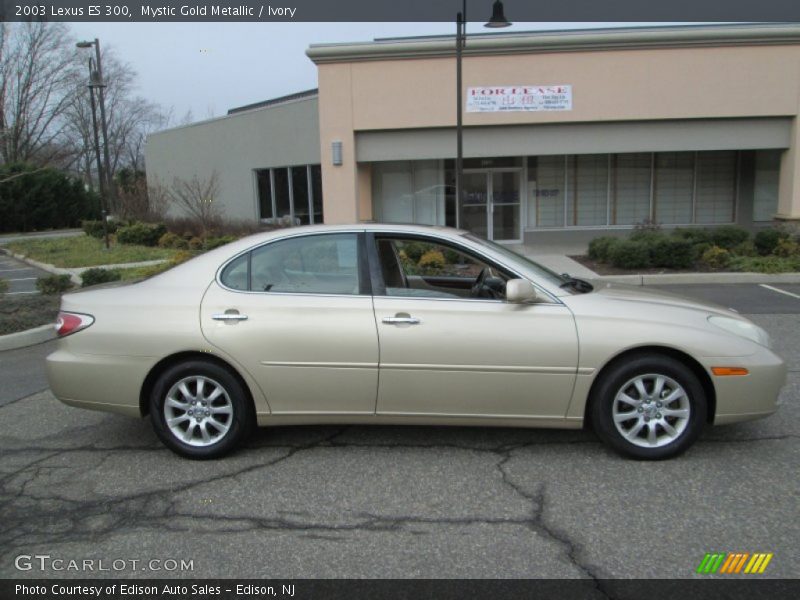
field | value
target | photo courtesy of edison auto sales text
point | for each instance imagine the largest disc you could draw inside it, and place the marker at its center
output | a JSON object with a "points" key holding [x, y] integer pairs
{"points": [[170, 589]]}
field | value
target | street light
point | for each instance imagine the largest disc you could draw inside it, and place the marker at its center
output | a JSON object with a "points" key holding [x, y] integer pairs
{"points": [[497, 20], [100, 170], [96, 82]]}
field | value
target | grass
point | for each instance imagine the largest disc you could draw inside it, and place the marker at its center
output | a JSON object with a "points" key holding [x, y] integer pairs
{"points": [[765, 264], [85, 251], [19, 313]]}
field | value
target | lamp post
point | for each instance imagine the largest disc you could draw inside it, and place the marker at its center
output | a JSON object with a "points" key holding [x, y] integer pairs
{"points": [[100, 170], [497, 20], [96, 82]]}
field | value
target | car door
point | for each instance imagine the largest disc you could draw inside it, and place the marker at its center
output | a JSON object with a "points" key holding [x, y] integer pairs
{"points": [[448, 349], [297, 313]]}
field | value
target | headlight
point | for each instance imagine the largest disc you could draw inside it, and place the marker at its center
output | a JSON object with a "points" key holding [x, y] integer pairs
{"points": [[744, 329]]}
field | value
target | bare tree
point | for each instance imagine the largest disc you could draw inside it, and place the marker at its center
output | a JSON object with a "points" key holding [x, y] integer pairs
{"points": [[37, 74], [197, 197], [129, 119], [139, 201]]}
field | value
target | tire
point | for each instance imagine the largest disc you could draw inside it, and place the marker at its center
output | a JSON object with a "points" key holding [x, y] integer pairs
{"points": [[665, 424], [225, 420]]}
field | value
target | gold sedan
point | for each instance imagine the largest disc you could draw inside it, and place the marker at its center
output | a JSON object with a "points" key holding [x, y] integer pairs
{"points": [[405, 325]]}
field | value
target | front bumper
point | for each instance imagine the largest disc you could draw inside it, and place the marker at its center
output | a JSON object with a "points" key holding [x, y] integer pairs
{"points": [[752, 396]]}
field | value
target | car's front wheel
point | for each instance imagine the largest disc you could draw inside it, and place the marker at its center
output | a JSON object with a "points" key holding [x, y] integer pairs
{"points": [[199, 410], [649, 407]]}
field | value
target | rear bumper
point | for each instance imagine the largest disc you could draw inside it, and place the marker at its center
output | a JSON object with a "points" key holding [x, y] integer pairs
{"points": [[106, 383]]}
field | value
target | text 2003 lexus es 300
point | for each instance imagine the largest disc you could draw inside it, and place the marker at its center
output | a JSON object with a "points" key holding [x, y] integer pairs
{"points": [[405, 324]]}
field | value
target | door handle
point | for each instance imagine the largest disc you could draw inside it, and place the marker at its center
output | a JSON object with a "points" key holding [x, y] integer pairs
{"points": [[229, 317], [401, 320]]}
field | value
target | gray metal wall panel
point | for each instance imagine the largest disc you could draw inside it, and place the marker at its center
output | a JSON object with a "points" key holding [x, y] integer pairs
{"points": [[576, 138], [235, 145]]}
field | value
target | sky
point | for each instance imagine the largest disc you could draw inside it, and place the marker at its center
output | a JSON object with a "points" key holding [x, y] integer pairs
{"points": [[207, 68]]}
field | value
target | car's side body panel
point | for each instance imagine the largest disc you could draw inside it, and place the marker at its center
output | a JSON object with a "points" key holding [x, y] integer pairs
{"points": [[308, 353], [475, 358]]}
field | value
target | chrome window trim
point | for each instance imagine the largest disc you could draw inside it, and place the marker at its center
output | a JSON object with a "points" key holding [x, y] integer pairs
{"points": [[217, 277]]}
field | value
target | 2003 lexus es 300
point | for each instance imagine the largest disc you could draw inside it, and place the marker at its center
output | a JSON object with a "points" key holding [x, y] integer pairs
{"points": [[405, 324]]}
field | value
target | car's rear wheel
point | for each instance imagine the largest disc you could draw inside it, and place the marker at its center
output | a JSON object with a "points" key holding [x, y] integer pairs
{"points": [[200, 410], [649, 407]]}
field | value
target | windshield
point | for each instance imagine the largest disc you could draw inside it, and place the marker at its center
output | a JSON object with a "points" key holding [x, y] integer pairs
{"points": [[551, 276]]}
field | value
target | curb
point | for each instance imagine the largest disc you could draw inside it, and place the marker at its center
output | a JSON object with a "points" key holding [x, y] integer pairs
{"points": [[700, 278], [75, 272], [31, 337], [43, 266]]}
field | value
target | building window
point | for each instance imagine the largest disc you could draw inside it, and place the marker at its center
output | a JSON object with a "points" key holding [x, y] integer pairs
{"points": [[316, 192], [292, 194], [630, 188], [409, 192], [765, 184], [300, 203], [715, 189], [673, 187], [264, 194], [587, 189], [546, 191]]}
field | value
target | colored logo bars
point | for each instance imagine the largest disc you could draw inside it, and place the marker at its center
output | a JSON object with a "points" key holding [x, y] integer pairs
{"points": [[731, 563]]}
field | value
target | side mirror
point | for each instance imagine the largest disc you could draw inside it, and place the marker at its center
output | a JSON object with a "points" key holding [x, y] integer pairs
{"points": [[520, 291]]}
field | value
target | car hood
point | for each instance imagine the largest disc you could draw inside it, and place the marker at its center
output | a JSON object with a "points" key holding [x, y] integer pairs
{"points": [[656, 297]]}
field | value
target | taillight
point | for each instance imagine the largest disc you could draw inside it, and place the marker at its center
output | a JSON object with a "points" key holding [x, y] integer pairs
{"points": [[68, 323]]}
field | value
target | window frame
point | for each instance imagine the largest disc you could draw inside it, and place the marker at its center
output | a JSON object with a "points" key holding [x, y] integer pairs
{"points": [[362, 267], [376, 274]]}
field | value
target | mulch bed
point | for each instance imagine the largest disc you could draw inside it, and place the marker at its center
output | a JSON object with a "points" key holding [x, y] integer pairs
{"points": [[18, 313], [606, 269]]}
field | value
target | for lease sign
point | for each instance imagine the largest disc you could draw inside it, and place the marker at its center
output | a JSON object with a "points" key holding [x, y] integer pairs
{"points": [[519, 97]]}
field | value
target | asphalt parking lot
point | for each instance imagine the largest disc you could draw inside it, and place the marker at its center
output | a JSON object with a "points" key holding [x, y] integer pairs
{"points": [[399, 501], [20, 276]]}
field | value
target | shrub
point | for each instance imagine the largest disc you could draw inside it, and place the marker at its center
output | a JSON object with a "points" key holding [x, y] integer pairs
{"points": [[172, 240], [216, 242], [195, 243], [699, 249], [142, 234], [630, 254], [672, 253], [747, 248], [600, 248], [767, 240], [34, 198], [729, 236], [97, 276], [693, 236], [3, 286], [95, 228], [716, 257], [787, 248], [432, 259], [53, 284], [648, 236]]}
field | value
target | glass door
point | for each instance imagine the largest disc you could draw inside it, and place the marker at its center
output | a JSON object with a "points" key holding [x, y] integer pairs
{"points": [[474, 208], [505, 203], [492, 204]]}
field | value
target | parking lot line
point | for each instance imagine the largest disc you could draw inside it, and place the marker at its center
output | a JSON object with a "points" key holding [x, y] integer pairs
{"points": [[9, 270], [780, 291], [22, 279], [15, 293]]}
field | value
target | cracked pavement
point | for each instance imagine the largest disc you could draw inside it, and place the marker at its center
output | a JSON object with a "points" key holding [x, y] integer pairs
{"points": [[386, 502]]}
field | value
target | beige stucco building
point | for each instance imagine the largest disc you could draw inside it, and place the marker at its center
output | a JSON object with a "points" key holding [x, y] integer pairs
{"points": [[566, 133]]}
